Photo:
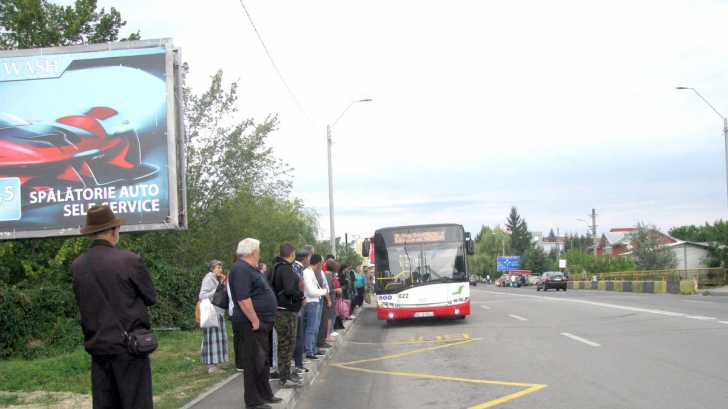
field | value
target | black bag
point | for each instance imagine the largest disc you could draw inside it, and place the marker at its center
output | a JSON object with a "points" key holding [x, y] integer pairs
{"points": [[141, 342], [221, 298]]}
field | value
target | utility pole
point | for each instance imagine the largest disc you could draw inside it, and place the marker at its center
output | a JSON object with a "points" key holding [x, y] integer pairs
{"points": [[593, 228], [594, 231], [558, 246]]}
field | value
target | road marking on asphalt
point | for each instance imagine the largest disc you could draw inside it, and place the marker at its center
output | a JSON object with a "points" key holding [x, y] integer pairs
{"points": [[698, 302], [421, 339], [723, 322], [601, 304], [517, 317], [698, 317], [485, 306], [528, 387], [586, 341]]}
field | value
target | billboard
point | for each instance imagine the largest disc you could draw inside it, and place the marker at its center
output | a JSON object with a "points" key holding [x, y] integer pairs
{"points": [[88, 125]]}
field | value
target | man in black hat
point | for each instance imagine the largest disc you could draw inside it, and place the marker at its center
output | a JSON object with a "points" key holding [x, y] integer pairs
{"points": [[118, 379]]}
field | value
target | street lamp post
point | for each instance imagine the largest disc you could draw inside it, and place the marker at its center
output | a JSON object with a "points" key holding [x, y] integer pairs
{"points": [[725, 130], [331, 182]]}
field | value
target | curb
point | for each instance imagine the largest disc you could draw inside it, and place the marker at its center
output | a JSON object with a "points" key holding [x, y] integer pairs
{"points": [[290, 396]]}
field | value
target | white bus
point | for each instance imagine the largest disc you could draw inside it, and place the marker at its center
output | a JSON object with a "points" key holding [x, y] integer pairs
{"points": [[421, 271]]}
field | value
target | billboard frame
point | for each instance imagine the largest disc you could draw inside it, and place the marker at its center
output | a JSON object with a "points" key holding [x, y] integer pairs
{"points": [[175, 199]]}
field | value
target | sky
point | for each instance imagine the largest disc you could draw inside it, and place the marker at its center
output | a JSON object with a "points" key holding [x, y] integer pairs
{"points": [[556, 108]]}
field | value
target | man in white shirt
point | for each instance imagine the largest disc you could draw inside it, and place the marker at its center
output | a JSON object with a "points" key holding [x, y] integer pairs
{"points": [[311, 310]]}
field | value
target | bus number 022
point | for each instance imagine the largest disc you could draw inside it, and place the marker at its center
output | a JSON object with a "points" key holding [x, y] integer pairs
{"points": [[405, 295]]}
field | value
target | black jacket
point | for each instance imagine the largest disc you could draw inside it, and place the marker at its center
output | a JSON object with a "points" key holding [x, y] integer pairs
{"points": [[285, 284], [128, 286]]}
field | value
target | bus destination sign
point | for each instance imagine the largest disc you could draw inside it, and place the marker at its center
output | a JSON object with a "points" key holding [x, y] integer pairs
{"points": [[419, 237]]}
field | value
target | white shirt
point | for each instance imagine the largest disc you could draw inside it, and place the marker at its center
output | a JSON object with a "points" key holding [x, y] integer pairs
{"points": [[313, 290]]}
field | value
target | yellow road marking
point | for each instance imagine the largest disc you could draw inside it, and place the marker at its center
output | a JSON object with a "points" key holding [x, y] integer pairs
{"points": [[530, 387]]}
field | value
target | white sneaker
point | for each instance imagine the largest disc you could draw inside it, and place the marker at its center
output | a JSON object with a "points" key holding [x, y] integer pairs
{"points": [[334, 334]]}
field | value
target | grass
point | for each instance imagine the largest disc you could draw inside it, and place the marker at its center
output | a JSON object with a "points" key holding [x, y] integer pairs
{"points": [[177, 375]]}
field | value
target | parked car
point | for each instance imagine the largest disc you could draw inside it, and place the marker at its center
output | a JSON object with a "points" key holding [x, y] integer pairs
{"points": [[505, 281], [551, 279], [473, 280], [533, 279]]}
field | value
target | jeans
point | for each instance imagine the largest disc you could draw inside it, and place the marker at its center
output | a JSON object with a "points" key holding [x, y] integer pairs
{"points": [[311, 320], [298, 351]]}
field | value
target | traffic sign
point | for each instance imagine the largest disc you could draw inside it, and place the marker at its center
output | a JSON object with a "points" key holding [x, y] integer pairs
{"points": [[505, 263]]}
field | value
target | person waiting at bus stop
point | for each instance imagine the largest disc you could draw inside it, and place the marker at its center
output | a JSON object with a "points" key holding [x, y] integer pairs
{"points": [[311, 310]]}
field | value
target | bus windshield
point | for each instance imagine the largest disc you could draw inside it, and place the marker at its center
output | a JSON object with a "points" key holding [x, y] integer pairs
{"points": [[409, 265]]}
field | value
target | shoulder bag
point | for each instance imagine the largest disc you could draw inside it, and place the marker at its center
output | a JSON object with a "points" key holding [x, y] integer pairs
{"points": [[221, 299], [139, 342]]}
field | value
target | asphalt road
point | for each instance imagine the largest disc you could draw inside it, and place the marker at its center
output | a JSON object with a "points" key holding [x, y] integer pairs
{"points": [[526, 349]]}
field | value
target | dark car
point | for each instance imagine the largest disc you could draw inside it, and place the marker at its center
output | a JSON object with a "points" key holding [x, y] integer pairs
{"points": [[551, 279], [97, 147], [473, 279]]}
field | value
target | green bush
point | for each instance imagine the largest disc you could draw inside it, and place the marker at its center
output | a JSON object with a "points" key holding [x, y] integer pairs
{"points": [[36, 322], [43, 322]]}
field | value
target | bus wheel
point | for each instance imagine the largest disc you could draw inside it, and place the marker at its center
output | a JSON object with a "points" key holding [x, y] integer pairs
{"points": [[460, 317]]}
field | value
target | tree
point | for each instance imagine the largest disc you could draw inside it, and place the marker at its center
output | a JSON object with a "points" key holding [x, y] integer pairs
{"points": [[652, 252], [520, 236], [236, 188], [38, 23], [489, 244], [347, 254], [537, 261]]}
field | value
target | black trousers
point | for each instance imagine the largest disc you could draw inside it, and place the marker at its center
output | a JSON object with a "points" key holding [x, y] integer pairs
{"points": [[238, 345], [359, 296], [256, 361], [121, 382]]}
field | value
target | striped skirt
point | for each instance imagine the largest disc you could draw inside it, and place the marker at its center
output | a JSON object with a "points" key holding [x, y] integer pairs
{"points": [[214, 344]]}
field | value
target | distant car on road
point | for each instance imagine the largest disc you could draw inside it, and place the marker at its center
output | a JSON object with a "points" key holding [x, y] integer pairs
{"points": [[533, 280], [473, 280], [504, 281], [551, 279]]}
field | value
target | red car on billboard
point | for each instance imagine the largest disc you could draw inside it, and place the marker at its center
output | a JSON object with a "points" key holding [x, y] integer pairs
{"points": [[95, 148]]}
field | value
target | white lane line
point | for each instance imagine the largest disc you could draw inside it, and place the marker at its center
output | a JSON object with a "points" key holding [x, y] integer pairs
{"points": [[517, 317], [698, 302], [486, 307], [620, 307], [586, 341], [723, 322], [698, 317]]}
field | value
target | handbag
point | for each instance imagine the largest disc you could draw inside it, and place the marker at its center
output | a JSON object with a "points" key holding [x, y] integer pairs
{"points": [[342, 308], [208, 315], [221, 299], [197, 312], [139, 342]]}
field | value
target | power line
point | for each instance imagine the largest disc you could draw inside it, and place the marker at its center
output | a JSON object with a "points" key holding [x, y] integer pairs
{"points": [[278, 71]]}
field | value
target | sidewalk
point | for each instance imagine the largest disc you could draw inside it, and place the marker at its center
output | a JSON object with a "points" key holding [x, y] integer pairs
{"points": [[228, 394], [713, 291]]}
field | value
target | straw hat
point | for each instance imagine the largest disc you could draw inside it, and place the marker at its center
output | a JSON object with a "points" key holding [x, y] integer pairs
{"points": [[100, 218]]}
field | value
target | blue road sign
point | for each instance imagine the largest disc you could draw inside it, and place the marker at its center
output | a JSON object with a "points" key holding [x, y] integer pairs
{"points": [[505, 263]]}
